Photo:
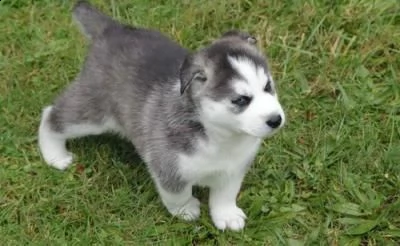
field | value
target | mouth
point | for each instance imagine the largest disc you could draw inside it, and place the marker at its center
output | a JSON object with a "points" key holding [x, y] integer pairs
{"points": [[270, 132]]}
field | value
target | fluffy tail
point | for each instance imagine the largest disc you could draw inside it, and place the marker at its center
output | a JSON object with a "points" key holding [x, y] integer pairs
{"points": [[91, 21]]}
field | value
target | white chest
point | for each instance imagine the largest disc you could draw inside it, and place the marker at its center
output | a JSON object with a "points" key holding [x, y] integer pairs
{"points": [[214, 158]]}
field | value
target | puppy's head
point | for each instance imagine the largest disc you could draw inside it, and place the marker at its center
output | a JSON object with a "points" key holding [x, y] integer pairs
{"points": [[230, 82]]}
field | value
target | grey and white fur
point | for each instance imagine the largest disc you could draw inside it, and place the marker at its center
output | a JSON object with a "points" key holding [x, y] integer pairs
{"points": [[195, 118]]}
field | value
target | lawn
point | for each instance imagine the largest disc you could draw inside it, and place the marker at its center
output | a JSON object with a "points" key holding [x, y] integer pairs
{"points": [[330, 177]]}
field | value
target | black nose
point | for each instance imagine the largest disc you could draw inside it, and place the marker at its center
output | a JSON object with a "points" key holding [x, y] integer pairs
{"points": [[275, 121]]}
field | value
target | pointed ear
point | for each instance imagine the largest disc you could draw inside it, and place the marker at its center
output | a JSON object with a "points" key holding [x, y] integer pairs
{"points": [[190, 72], [242, 35]]}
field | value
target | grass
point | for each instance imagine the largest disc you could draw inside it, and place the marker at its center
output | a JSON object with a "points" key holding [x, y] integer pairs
{"points": [[331, 177]]}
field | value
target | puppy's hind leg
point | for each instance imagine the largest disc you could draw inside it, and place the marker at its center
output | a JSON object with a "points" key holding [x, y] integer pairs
{"points": [[52, 143], [62, 122]]}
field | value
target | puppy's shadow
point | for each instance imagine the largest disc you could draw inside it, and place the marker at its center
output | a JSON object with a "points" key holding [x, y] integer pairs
{"points": [[112, 147], [111, 157], [120, 156]]}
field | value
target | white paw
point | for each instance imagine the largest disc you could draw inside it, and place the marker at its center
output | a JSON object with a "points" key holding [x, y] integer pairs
{"points": [[60, 162], [189, 211], [228, 218]]}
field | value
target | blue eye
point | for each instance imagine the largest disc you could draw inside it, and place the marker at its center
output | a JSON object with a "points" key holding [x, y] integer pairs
{"points": [[268, 87], [242, 101]]}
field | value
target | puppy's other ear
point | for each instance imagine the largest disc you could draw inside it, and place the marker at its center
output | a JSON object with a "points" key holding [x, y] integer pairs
{"points": [[242, 35], [190, 72]]}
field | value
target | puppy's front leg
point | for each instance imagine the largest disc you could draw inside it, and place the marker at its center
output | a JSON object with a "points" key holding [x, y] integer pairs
{"points": [[182, 203], [224, 212]]}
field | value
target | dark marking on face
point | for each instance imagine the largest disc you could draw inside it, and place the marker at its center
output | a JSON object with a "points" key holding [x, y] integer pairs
{"points": [[270, 87], [240, 103], [223, 73]]}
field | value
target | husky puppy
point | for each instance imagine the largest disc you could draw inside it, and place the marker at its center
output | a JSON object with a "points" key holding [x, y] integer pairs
{"points": [[195, 118]]}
